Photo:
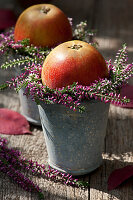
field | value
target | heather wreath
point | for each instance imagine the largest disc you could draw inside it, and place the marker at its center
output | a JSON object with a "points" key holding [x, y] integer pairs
{"points": [[31, 58]]}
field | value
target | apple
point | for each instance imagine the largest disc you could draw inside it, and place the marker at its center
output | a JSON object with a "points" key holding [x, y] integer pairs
{"points": [[44, 24], [73, 61]]}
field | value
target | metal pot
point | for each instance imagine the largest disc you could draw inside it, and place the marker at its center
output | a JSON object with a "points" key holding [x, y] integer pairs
{"points": [[74, 140]]}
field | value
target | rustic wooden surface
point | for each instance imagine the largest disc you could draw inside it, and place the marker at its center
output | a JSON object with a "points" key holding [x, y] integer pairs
{"points": [[113, 20]]}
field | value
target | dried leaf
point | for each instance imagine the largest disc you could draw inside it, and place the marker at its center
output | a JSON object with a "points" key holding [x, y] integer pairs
{"points": [[128, 92], [13, 123], [118, 176]]}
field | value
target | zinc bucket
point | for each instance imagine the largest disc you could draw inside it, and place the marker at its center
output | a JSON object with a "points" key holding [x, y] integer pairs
{"points": [[74, 140], [29, 108]]}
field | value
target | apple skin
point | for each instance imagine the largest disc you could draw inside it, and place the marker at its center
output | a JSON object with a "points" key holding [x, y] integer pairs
{"points": [[44, 24], [73, 61]]}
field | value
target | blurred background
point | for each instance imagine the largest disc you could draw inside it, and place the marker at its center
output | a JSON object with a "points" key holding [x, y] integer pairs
{"points": [[112, 19], [78, 11]]}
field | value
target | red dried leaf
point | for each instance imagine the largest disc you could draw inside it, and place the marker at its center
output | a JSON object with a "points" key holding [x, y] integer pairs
{"points": [[13, 123], [118, 176], [128, 92]]}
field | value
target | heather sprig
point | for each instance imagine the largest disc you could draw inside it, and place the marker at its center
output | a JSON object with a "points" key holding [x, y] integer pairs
{"points": [[8, 165], [121, 57], [13, 164], [81, 32], [17, 62], [19, 178], [23, 52], [23, 47]]}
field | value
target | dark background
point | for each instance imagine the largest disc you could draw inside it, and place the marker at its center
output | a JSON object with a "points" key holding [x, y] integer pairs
{"points": [[111, 18]]}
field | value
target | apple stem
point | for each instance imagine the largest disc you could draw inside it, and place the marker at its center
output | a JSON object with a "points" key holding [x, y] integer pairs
{"points": [[75, 46], [45, 10]]}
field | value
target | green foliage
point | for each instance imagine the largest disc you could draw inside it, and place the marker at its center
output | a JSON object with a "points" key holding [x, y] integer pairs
{"points": [[81, 32], [4, 86], [83, 184], [17, 62]]}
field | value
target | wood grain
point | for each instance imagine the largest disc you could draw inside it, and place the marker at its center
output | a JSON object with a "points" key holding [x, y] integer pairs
{"points": [[114, 27], [113, 20]]}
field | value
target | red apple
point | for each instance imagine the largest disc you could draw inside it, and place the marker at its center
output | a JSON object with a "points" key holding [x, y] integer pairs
{"points": [[44, 24], [73, 61]]}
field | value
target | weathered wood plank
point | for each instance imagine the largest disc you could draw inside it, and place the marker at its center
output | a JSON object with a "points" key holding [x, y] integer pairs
{"points": [[117, 153], [113, 22]]}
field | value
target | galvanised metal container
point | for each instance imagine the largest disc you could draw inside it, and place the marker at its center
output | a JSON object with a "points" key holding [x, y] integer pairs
{"points": [[74, 140], [29, 108]]}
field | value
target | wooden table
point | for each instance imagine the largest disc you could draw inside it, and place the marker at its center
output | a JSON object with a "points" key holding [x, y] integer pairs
{"points": [[113, 20]]}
